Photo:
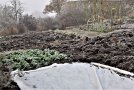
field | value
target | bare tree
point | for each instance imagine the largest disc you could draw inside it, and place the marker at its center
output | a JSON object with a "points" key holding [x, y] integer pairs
{"points": [[6, 16], [29, 21], [17, 9], [54, 6]]}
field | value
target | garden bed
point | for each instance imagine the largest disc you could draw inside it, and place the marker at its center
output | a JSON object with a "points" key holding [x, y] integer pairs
{"points": [[115, 49]]}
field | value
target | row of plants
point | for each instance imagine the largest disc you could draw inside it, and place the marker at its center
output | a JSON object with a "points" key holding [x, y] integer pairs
{"points": [[32, 59]]}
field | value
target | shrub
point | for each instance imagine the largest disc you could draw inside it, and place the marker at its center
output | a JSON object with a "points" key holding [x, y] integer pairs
{"points": [[29, 21], [48, 23], [74, 14], [9, 30], [22, 28], [13, 29], [32, 59]]}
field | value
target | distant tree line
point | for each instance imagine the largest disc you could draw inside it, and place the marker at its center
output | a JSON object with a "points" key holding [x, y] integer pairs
{"points": [[69, 13], [75, 13]]}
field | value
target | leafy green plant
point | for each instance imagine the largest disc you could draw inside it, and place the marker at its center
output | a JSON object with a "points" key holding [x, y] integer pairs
{"points": [[32, 59]]}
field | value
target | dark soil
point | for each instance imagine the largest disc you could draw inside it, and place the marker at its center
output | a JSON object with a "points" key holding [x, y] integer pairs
{"points": [[115, 49], [5, 82]]}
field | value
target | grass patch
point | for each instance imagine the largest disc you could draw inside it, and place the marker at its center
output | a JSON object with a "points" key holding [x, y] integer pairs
{"points": [[79, 32]]}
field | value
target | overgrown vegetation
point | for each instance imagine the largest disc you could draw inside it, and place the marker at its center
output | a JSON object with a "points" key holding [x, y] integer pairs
{"points": [[32, 59]]}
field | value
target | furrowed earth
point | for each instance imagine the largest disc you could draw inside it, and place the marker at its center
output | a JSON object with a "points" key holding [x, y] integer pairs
{"points": [[115, 49]]}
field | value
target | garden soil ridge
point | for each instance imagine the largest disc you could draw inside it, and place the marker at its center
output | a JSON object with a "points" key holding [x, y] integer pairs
{"points": [[115, 49]]}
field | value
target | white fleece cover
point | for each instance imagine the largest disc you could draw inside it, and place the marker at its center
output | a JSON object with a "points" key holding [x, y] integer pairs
{"points": [[76, 76]]}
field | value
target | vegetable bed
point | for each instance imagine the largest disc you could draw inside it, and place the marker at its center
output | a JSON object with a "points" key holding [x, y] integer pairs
{"points": [[26, 60]]}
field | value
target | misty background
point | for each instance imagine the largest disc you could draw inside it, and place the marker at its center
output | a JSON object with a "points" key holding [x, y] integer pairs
{"points": [[23, 16], [34, 7]]}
